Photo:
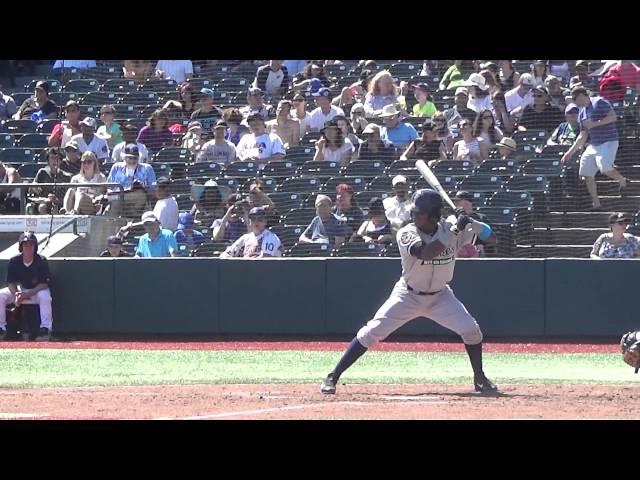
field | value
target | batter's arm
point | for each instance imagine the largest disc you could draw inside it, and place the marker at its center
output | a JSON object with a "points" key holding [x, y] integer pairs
{"points": [[427, 251]]}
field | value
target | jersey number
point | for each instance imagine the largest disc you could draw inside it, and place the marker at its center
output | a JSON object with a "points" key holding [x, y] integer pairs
{"points": [[269, 247]]}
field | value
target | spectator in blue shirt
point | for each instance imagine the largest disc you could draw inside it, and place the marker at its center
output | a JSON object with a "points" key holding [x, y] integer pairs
{"points": [[158, 241], [600, 136], [397, 133], [185, 235], [137, 179]]}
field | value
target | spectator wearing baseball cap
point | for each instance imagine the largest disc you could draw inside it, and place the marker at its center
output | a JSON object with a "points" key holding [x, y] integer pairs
{"points": [[235, 221], [157, 241], [38, 107], [517, 99], [397, 133], [206, 113], [325, 111], [557, 94], [374, 148], [166, 208], [326, 227], [429, 147], [63, 131], [541, 115], [459, 111], [110, 131], [382, 93], [71, 163], [425, 106], [272, 78], [255, 105], [507, 148], [284, 126], [567, 132], [582, 76], [156, 134], [218, 150], [88, 141], [260, 146], [333, 146], [398, 208], [193, 140], [129, 136], [185, 235], [259, 242], [137, 179], [346, 207], [618, 243], [114, 248]]}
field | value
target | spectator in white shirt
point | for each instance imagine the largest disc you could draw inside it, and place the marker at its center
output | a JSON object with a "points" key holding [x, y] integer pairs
{"points": [[333, 146], [325, 111], [166, 209], [272, 78], [218, 150], [520, 97], [300, 113], [178, 70], [398, 208], [479, 95], [260, 146], [129, 134], [89, 141]]}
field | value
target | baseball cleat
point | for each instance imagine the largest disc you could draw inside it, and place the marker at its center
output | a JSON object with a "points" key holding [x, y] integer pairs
{"points": [[484, 385], [328, 386], [44, 335]]}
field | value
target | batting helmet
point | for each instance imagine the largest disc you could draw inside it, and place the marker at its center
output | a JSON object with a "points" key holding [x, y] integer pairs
{"points": [[27, 237], [427, 201]]}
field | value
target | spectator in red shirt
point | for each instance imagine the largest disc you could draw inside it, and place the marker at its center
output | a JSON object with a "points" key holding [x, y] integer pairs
{"points": [[62, 132], [628, 72]]}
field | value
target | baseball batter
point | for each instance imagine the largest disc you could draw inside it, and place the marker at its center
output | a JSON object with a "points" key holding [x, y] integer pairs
{"points": [[428, 249]]}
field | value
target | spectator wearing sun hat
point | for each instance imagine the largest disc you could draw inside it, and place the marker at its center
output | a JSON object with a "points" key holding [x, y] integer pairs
{"points": [[325, 111], [374, 148], [479, 95], [567, 132], [88, 141], [425, 106], [399, 134], [507, 147]]}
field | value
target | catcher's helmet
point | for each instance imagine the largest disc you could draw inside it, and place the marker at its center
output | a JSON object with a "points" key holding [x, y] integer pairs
{"points": [[427, 201], [27, 237]]}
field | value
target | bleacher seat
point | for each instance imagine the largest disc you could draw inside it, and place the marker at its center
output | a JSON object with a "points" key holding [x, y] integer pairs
{"points": [[453, 167], [381, 183], [309, 250], [310, 138], [550, 151], [54, 85], [448, 182], [391, 251], [288, 234], [357, 183], [364, 197], [61, 98], [138, 98], [161, 169], [300, 185], [89, 110], [357, 249], [532, 137], [18, 126], [528, 183], [125, 110], [481, 183], [46, 126], [336, 71], [29, 170], [120, 85], [99, 98], [20, 97], [285, 201], [269, 184], [32, 140], [17, 155], [233, 84], [242, 169], [300, 154], [542, 166], [209, 249], [279, 169], [320, 169], [7, 140], [181, 186], [510, 199], [82, 85], [497, 167], [184, 200], [204, 170], [299, 216], [200, 83], [404, 71], [173, 154], [232, 183], [159, 85], [364, 168], [525, 151]]}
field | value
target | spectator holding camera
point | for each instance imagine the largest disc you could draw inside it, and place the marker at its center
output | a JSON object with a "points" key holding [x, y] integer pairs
{"points": [[157, 241], [235, 222], [618, 243], [326, 227], [137, 179], [48, 199], [258, 243], [114, 248]]}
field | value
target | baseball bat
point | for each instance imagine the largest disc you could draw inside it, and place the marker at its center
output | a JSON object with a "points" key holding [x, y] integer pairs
{"points": [[432, 180]]}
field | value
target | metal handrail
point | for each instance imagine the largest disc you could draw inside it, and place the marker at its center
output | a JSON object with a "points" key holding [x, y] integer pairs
{"points": [[24, 186]]}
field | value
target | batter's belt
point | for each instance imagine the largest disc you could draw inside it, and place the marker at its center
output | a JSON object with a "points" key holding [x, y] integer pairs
{"points": [[421, 293]]}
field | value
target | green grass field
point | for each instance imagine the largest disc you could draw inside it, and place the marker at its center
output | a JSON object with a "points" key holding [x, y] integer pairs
{"points": [[85, 367]]}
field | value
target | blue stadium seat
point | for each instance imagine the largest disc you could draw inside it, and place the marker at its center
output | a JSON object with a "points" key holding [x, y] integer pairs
{"points": [[242, 169], [173, 154], [364, 168], [299, 216], [204, 170], [125, 110], [300, 185], [279, 169], [18, 126], [17, 155], [285, 201], [320, 169], [357, 183], [232, 183]]}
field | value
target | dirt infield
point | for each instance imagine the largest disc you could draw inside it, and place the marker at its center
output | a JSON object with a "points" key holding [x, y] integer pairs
{"points": [[296, 401]]}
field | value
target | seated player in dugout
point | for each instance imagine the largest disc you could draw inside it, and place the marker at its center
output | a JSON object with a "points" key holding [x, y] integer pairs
{"points": [[464, 200], [28, 282], [428, 249]]}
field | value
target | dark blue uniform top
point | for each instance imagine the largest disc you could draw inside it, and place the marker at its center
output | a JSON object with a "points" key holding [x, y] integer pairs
{"points": [[28, 277]]}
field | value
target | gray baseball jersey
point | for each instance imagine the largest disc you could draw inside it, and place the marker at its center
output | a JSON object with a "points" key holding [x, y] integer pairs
{"points": [[431, 296]]}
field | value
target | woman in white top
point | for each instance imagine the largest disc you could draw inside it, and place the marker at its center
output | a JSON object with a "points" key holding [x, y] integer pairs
{"points": [[79, 200], [470, 147], [333, 147], [479, 96], [618, 243], [300, 113], [484, 127]]}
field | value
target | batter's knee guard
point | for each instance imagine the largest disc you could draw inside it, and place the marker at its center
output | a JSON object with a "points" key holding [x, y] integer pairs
{"points": [[472, 335]]}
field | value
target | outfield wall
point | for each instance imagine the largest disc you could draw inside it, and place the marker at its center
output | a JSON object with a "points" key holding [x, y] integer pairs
{"points": [[333, 296]]}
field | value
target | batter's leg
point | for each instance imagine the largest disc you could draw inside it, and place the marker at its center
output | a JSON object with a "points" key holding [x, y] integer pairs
{"points": [[449, 312], [399, 308]]}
